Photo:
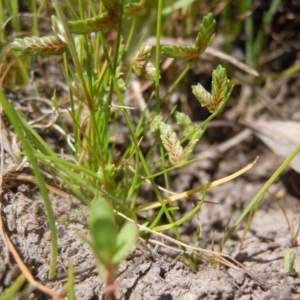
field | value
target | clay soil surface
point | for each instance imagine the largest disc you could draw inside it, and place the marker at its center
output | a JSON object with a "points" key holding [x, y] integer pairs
{"points": [[150, 272]]}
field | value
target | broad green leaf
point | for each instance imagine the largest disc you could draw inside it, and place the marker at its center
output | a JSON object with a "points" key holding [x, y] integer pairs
{"points": [[125, 241], [103, 229]]}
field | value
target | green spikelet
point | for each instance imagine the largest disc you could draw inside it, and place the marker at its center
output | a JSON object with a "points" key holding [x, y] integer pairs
{"points": [[181, 52], [204, 97], [141, 66], [133, 9], [171, 144], [185, 123], [49, 45], [220, 90], [220, 84], [206, 33], [102, 22]]}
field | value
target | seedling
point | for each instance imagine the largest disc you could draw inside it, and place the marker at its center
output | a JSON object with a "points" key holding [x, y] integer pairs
{"points": [[110, 245], [289, 261]]}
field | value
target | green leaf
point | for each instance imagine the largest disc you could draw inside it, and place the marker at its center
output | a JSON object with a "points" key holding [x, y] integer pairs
{"points": [[14, 288], [125, 241], [289, 261], [181, 52], [103, 229], [206, 33]]}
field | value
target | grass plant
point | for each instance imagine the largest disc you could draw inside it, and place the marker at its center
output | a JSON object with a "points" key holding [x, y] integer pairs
{"points": [[98, 75]]}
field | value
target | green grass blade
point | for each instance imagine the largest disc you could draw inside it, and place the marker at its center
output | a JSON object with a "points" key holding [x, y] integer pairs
{"points": [[261, 193], [184, 218], [15, 121], [15, 287], [71, 291]]}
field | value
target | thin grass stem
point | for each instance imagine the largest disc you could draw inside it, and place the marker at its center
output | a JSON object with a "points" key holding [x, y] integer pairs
{"points": [[15, 120], [261, 192]]}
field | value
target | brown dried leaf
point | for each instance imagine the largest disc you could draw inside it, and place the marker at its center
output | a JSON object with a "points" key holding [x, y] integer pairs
{"points": [[281, 137]]}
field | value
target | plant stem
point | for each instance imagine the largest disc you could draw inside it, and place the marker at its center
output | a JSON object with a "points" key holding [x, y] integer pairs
{"points": [[157, 55], [16, 122]]}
